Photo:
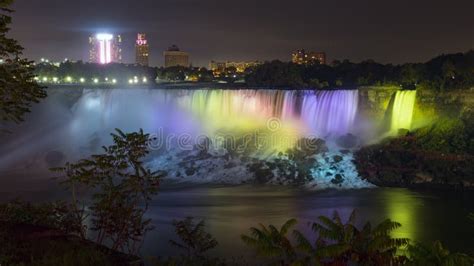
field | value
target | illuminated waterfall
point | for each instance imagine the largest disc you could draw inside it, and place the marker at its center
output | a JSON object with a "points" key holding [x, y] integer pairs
{"points": [[330, 113], [320, 113], [316, 113], [402, 112]]}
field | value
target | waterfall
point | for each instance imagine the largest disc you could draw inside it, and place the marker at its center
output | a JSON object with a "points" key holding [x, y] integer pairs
{"points": [[321, 113], [316, 113], [402, 112], [330, 113]]}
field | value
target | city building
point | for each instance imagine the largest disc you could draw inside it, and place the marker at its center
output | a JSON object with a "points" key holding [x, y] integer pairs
{"points": [[217, 67], [175, 57], [142, 50], [105, 48], [302, 57], [220, 67]]}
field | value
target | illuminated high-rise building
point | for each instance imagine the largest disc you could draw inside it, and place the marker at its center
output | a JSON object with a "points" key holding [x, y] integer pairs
{"points": [[142, 50], [175, 57], [105, 48], [302, 57]]}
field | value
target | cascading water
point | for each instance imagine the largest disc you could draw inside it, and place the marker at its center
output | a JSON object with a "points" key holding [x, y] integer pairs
{"points": [[293, 114], [322, 113], [402, 112], [329, 113]]}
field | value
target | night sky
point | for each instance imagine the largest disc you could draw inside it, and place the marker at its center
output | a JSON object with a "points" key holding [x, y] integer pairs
{"points": [[394, 31]]}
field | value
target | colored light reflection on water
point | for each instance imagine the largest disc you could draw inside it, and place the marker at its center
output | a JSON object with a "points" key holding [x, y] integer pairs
{"points": [[231, 211], [403, 208]]}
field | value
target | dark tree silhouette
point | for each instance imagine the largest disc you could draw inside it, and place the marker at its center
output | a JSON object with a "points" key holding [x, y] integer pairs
{"points": [[18, 88]]}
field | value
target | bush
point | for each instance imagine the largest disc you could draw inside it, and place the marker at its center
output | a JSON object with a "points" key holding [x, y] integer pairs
{"points": [[445, 135], [55, 215], [123, 189]]}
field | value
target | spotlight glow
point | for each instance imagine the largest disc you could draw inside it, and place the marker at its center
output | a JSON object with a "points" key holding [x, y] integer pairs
{"points": [[104, 36], [105, 47]]}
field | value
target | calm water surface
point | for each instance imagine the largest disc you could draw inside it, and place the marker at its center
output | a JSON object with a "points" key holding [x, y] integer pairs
{"points": [[230, 211]]}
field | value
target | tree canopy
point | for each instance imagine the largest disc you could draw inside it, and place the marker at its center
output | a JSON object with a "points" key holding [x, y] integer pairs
{"points": [[453, 71], [18, 89]]}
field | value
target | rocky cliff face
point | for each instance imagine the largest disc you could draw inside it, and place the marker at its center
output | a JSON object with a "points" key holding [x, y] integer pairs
{"points": [[438, 152], [374, 102]]}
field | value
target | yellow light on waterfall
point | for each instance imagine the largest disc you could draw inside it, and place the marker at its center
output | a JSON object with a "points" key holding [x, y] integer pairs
{"points": [[240, 115], [402, 113]]}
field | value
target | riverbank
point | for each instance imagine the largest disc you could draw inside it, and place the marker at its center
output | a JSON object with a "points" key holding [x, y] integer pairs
{"points": [[440, 155]]}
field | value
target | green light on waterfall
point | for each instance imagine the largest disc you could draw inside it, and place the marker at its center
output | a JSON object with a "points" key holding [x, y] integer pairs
{"points": [[402, 113]]}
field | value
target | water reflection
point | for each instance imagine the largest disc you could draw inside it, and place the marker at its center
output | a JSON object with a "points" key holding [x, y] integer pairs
{"points": [[230, 211], [404, 207]]}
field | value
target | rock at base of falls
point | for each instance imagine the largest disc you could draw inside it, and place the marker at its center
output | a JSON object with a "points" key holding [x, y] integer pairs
{"points": [[322, 170]]}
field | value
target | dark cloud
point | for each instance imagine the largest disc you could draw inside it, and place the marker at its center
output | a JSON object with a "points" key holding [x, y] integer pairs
{"points": [[386, 31]]}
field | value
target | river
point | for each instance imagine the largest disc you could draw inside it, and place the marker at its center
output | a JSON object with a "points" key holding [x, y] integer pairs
{"points": [[230, 211]]}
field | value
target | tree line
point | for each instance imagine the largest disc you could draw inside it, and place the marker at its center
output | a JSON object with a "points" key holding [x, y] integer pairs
{"points": [[445, 72]]}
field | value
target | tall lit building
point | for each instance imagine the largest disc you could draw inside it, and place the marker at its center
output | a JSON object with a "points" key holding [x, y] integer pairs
{"points": [[302, 57], [175, 57], [105, 48], [142, 50]]}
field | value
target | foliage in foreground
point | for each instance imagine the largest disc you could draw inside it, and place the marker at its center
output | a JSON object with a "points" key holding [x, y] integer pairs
{"points": [[55, 215], [18, 89], [51, 252], [48, 234], [436, 254], [332, 242], [337, 243], [122, 190], [194, 242]]}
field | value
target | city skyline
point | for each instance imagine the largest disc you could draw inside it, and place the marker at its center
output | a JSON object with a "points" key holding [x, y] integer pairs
{"points": [[386, 33]]}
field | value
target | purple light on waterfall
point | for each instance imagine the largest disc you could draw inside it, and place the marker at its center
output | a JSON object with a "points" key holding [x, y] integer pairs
{"points": [[289, 106], [330, 113]]}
